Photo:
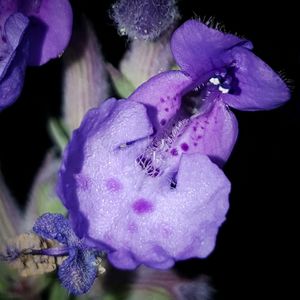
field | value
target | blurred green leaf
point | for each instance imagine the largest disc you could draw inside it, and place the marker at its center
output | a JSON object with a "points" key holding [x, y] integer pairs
{"points": [[121, 84], [57, 292]]}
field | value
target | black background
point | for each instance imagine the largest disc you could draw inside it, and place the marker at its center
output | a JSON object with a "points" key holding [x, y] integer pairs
{"points": [[254, 254]]}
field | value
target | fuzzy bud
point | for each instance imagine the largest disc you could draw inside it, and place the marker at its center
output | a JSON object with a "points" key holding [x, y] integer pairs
{"points": [[144, 19]]}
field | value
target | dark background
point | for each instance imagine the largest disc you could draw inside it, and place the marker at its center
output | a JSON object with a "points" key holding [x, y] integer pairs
{"points": [[254, 254]]}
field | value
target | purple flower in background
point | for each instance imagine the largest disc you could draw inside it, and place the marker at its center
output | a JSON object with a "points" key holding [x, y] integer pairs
{"points": [[32, 32], [77, 272], [144, 19], [136, 177]]}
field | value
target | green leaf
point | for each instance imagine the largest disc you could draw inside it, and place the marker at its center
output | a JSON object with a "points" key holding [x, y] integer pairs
{"points": [[121, 84], [58, 292], [59, 133]]}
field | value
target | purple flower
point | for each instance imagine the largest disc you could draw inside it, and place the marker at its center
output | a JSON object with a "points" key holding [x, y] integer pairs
{"points": [[32, 32], [144, 19], [136, 178], [78, 272], [127, 193]]}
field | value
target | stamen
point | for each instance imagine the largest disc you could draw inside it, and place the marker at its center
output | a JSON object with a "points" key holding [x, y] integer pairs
{"points": [[154, 159]]}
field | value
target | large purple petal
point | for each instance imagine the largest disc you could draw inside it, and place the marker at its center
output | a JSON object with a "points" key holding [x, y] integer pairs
{"points": [[13, 58], [158, 225], [162, 95], [54, 227], [260, 87], [213, 133], [51, 27], [90, 161], [78, 272], [199, 50]]}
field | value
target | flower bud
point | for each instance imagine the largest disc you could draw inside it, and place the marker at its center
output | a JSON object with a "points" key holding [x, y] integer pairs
{"points": [[144, 19]]}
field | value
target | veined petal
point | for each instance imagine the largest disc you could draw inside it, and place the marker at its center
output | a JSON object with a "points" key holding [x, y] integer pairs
{"points": [[199, 50], [213, 133], [54, 227], [162, 95], [51, 28], [260, 87], [78, 272]]}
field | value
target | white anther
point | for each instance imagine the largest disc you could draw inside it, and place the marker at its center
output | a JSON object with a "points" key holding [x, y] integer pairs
{"points": [[214, 80], [223, 90]]}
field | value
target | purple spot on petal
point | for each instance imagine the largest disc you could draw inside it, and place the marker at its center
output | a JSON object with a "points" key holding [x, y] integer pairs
{"points": [[166, 109], [199, 137], [163, 122], [142, 206], [195, 144], [195, 128], [185, 147], [162, 100], [113, 185], [174, 152]]}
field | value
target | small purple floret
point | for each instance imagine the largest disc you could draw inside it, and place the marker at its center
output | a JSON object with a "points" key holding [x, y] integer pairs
{"points": [[78, 272]]}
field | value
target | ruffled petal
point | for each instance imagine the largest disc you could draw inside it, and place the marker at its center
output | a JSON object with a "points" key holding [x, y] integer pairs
{"points": [[260, 87], [13, 59], [51, 28], [199, 50], [213, 133], [177, 223], [162, 95], [54, 227], [78, 272]]}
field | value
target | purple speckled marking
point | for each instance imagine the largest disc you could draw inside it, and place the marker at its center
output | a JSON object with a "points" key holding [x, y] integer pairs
{"points": [[166, 109], [174, 152], [185, 147], [142, 206], [163, 122], [162, 100], [195, 128], [195, 144], [82, 181], [113, 185]]}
